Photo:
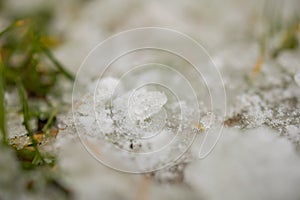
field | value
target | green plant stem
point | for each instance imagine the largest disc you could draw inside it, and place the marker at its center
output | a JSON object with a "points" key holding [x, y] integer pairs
{"points": [[2, 106], [12, 26], [58, 65], [50, 120], [7, 29], [23, 99]]}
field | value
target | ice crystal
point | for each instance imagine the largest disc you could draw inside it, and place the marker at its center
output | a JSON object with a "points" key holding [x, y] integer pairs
{"points": [[143, 104]]}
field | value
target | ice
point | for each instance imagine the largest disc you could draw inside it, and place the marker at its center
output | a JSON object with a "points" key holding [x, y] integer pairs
{"points": [[142, 120], [105, 88], [138, 111], [144, 104]]}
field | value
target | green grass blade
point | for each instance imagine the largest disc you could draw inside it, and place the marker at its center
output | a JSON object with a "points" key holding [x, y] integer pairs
{"points": [[2, 102], [50, 120], [26, 117], [57, 64]]}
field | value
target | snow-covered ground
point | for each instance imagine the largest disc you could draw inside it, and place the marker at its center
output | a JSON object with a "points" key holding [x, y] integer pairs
{"points": [[257, 155]]}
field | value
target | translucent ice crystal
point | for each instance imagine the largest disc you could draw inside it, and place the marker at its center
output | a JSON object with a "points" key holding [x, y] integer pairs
{"points": [[144, 104], [139, 112]]}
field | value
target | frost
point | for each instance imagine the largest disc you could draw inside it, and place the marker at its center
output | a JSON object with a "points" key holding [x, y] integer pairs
{"points": [[271, 99], [254, 111]]}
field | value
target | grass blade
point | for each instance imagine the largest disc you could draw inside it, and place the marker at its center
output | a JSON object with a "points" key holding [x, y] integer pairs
{"points": [[2, 102], [57, 63], [26, 117]]}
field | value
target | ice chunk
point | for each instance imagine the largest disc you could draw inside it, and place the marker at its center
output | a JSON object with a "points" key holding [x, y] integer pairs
{"points": [[143, 104], [139, 112]]}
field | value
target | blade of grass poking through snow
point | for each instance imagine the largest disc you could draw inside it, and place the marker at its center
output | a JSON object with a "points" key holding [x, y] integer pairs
{"points": [[57, 63], [2, 106], [50, 120], [38, 159]]}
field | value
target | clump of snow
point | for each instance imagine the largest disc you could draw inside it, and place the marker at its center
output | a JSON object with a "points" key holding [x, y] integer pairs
{"points": [[129, 123], [254, 164], [105, 89]]}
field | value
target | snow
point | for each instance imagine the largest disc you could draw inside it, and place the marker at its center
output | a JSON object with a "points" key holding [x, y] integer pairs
{"points": [[254, 164], [141, 127], [258, 158], [297, 78]]}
